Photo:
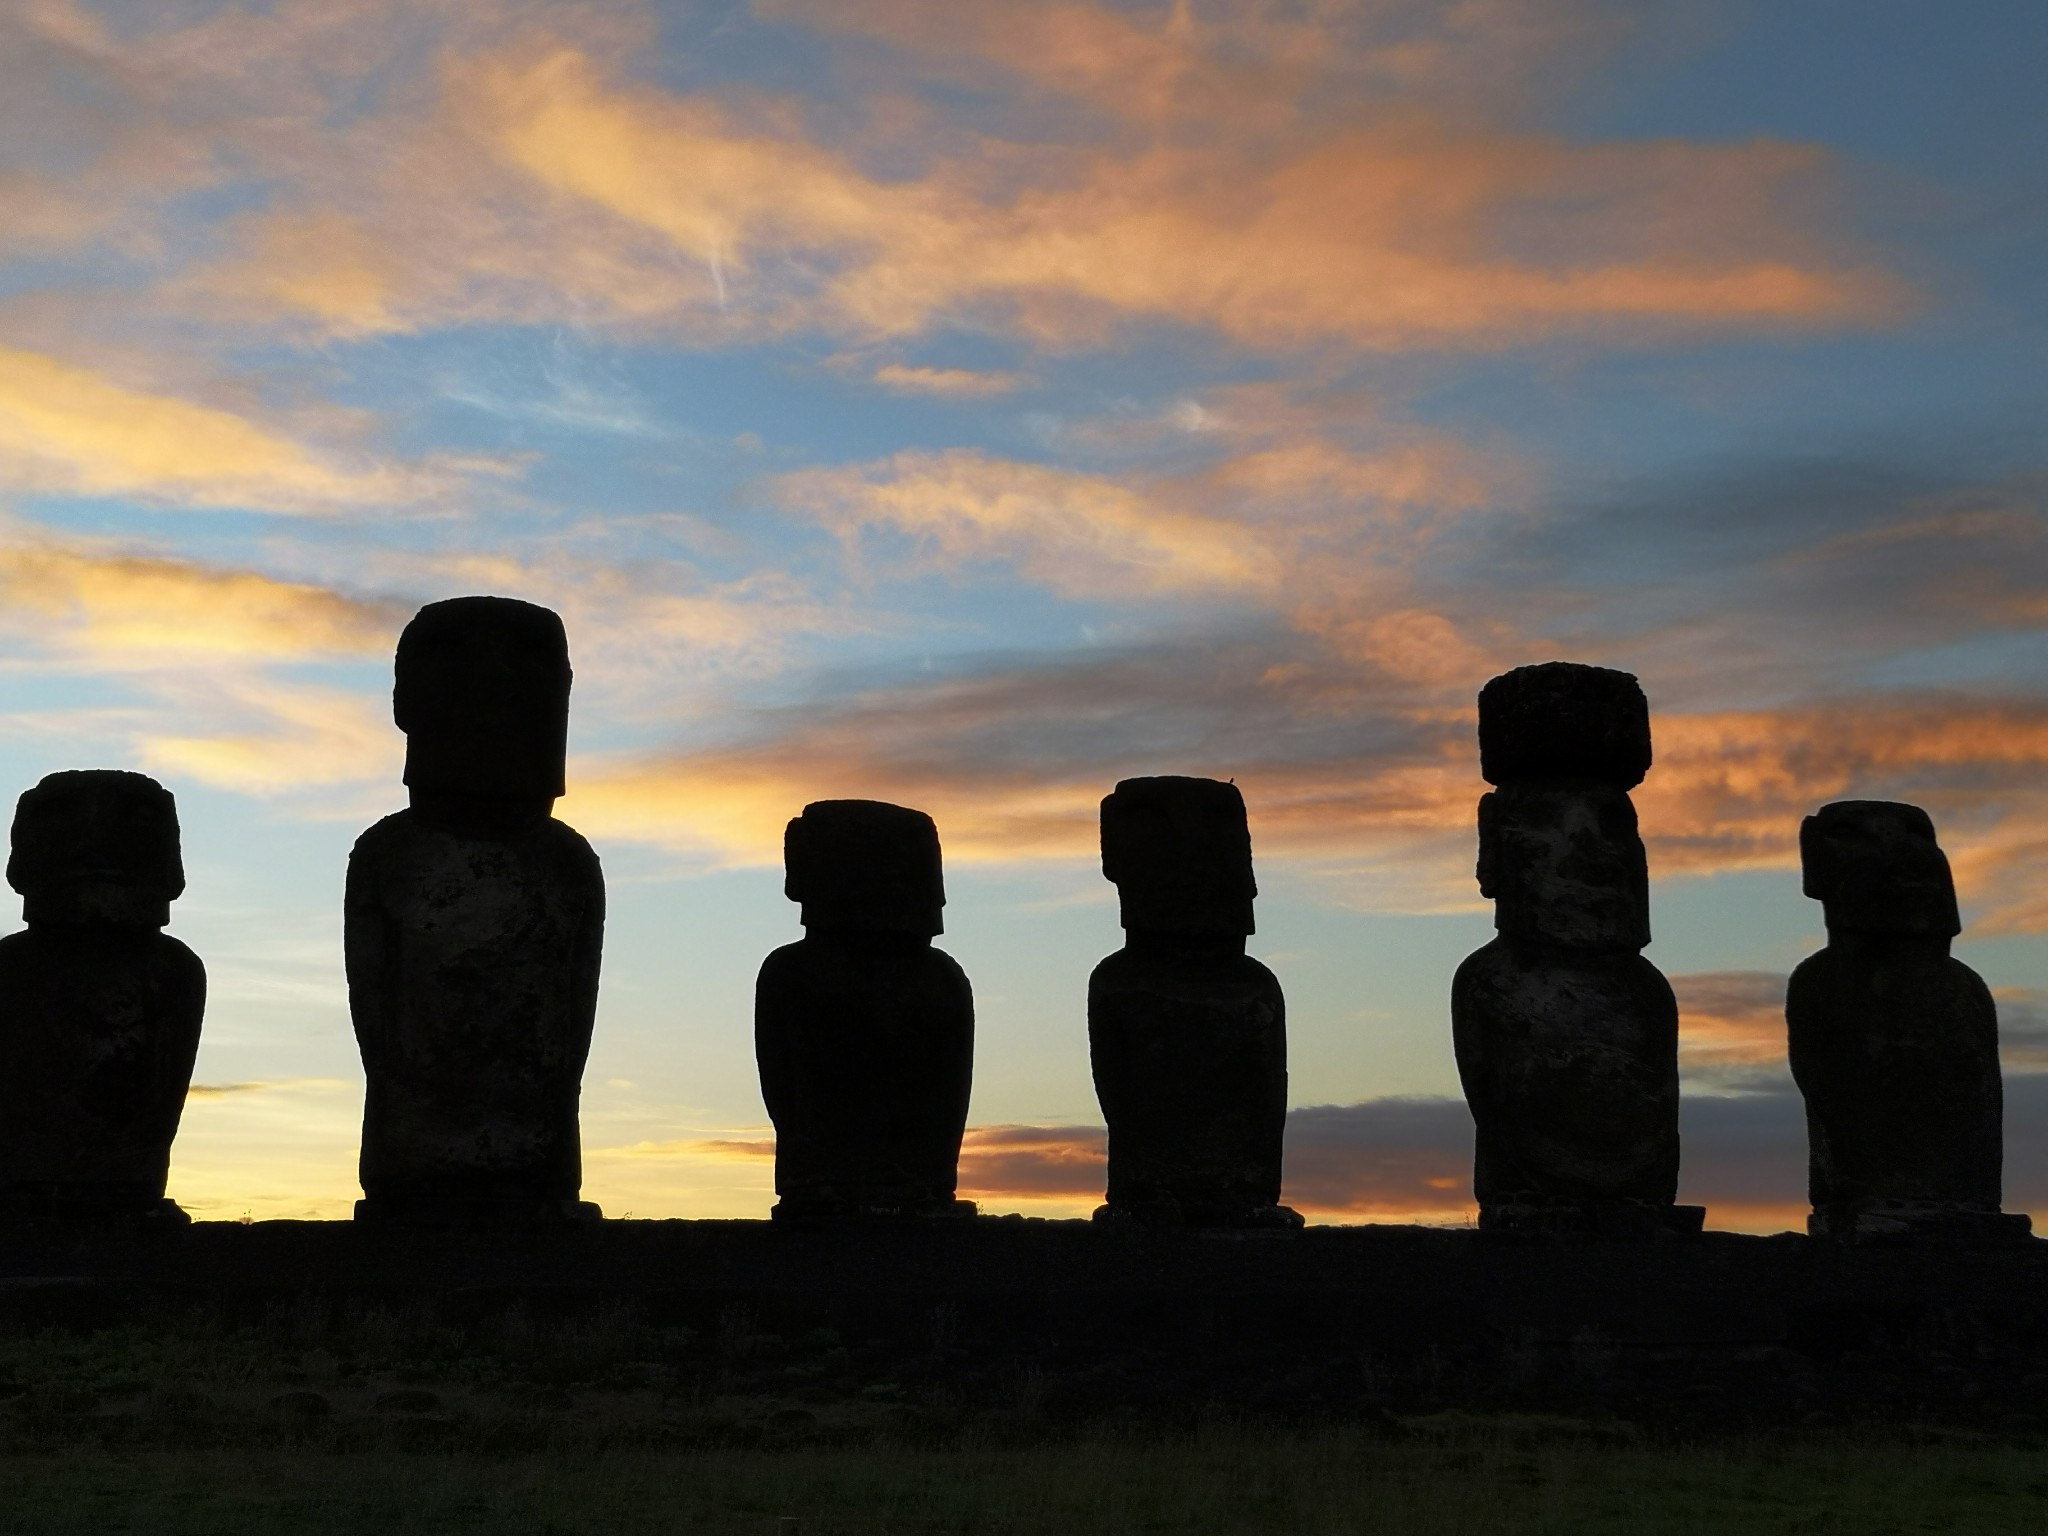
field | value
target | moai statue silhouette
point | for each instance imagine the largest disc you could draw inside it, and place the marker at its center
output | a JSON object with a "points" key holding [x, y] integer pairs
{"points": [[1894, 1042], [473, 926], [1187, 1033], [99, 1009], [1566, 1037], [864, 1032]]}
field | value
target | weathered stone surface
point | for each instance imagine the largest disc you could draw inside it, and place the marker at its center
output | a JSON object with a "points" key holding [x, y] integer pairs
{"points": [[1893, 1042], [1565, 866], [99, 1012], [1876, 868], [1189, 1051], [864, 1033], [1564, 720], [866, 1048], [1569, 1062], [473, 970], [481, 690], [1186, 1033], [474, 929], [865, 866], [1566, 1037], [1179, 851]]}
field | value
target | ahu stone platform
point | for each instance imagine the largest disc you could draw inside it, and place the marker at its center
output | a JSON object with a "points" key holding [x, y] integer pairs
{"points": [[1719, 1326]]}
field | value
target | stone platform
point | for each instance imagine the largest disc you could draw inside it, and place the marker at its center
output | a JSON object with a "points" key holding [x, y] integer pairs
{"points": [[1331, 1319]]}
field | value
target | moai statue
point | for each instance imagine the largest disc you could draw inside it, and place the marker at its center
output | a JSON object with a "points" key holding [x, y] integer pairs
{"points": [[1893, 1042], [1566, 1037], [99, 1009], [1187, 1033], [473, 926], [863, 1031]]}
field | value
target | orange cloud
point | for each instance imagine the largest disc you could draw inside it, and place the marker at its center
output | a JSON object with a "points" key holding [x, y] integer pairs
{"points": [[943, 381], [1266, 67], [1376, 237], [735, 804], [538, 186], [1042, 1170], [1111, 57], [145, 610], [63, 427], [1731, 1027], [269, 737], [327, 266], [1283, 516], [1077, 532], [1356, 770], [1730, 787]]}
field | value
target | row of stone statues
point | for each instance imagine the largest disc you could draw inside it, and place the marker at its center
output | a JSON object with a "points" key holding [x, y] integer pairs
{"points": [[474, 926]]}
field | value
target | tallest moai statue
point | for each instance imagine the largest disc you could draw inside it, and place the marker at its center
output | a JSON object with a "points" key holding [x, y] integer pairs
{"points": [[1566, 1037], [473, 926]]}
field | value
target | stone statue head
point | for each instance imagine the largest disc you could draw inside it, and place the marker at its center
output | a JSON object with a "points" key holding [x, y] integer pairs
{"points": [[1875, 868], [482, 693], [1180, 854], [1565, 865], [97, 846], [1564, 720], [865, 866]]}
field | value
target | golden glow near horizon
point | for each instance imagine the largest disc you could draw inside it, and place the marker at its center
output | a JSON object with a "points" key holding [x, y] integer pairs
{"points": [[972, 402]]}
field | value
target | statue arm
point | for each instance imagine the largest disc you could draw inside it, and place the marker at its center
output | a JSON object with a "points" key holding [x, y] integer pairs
{"points": [[587, 961], [177, 1042], [367, 955]]}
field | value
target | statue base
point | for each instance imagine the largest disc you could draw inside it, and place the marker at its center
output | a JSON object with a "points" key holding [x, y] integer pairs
{"points": [[1174, 1213], [444, 1213], [1917, 1223], [58, 1207], [824, 1211], [819, 1210], [1599, 1221]]}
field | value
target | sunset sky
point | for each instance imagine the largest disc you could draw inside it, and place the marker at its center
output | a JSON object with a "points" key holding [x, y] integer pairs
{"points": [[968, 403]]}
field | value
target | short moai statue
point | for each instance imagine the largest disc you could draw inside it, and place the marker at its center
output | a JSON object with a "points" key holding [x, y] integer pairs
{"points": [[473, 926], [864, 1033], [1893, 1041], [1187, 1033], [99, 1009], [1566, 1037]]}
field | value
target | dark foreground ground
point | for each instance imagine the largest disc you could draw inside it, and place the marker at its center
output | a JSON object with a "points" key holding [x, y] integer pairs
{"points": [[1004, 1375]]}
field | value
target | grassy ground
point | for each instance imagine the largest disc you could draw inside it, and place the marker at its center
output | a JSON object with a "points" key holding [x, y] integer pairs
{"points": [[1479, 1478], [373, 1421]]}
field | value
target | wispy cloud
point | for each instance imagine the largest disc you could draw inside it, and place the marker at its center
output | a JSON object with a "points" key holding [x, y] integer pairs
{"points": [[1731, 1030], [262, 1085], [1079, 532], [270, 737], [507, 175], [133, 610], [1329, 242], [923, 380], [67, 428], [1174, 64], [1345, 766]]}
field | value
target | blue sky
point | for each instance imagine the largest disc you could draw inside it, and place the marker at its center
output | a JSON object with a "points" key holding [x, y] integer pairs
{"points": [[969, 404]]}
